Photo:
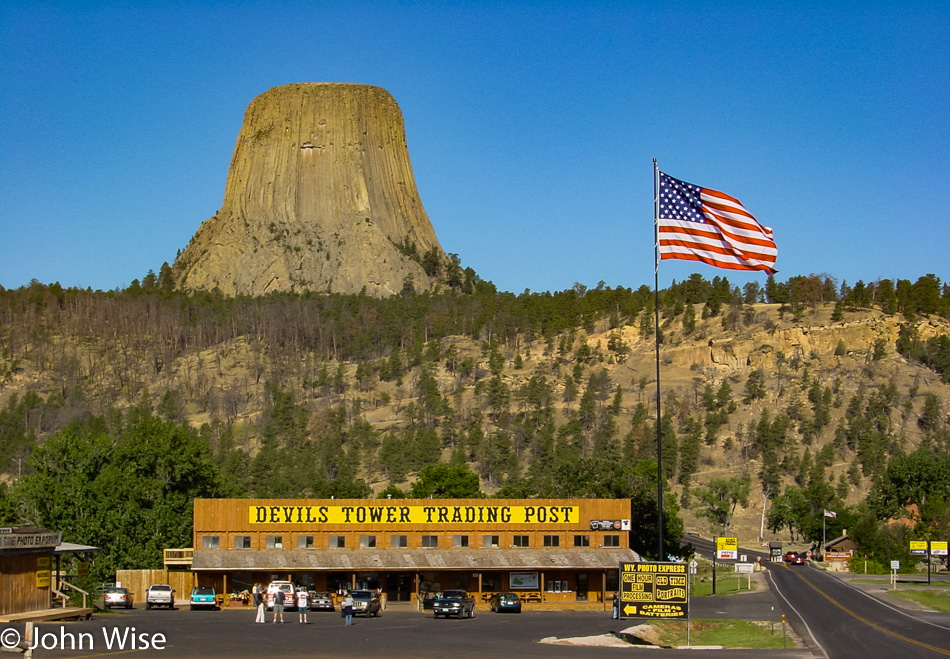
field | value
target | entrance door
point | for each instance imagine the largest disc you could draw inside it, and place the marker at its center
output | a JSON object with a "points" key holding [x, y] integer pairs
{"points": [[398, 586], [582, 587]]}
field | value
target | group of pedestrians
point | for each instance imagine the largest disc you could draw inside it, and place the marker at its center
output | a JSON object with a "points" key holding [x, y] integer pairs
{"points": [[301, 599]]}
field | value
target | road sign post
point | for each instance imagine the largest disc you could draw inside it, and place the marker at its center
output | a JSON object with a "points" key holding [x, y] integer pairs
{"points": [[938, 548], [921, 548], [726, 549]]}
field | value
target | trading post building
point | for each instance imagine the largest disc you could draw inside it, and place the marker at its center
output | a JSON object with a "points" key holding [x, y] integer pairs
{"points": [[552, 551]]}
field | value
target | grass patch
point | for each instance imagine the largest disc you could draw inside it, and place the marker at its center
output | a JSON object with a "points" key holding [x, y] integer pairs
{"points": [[902, 582], [726, 584], [936, 600], [731, 634]]}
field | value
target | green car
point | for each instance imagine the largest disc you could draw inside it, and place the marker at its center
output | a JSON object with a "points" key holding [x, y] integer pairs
{"points": [[203, 597]]}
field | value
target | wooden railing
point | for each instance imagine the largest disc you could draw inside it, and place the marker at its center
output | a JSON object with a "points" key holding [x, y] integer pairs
{"points": [[179, 556], [65, 597]]}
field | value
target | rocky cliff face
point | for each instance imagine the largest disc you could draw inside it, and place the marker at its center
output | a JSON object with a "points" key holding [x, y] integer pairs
{"points": [[320, 197]]}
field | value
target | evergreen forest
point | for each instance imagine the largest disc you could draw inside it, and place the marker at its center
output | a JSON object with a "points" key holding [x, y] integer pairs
{"points": [[778, 401]]}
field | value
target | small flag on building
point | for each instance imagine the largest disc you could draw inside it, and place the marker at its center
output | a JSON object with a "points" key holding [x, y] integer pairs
{"points": [[699, 224], [831, 513]]}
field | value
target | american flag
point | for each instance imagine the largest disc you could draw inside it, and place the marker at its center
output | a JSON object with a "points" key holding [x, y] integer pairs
{"points": [[830, 513], [699, 224]]}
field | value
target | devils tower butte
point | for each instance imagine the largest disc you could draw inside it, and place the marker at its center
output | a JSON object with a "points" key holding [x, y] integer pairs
{"points": [[320, 196]]}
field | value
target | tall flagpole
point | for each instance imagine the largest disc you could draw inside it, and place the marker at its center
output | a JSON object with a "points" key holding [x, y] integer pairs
{"points": [[656, 332]]}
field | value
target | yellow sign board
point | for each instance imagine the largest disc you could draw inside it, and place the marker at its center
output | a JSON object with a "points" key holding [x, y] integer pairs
{"points": [[727, 548], [43, 562], [418, 515], [654, 590], [43, 578], [938, 547], [83, 569], [918, 547]]}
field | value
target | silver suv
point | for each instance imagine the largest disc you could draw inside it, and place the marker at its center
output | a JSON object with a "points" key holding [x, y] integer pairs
{"points": [[160, 595]]}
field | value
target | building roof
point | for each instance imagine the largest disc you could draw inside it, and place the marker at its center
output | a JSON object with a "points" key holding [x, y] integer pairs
{"points": [[72, 548], [831, 543], [371, 560]]}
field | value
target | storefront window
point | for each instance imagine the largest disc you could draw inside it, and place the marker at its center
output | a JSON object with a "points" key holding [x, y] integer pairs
{"points": [[242, 542], [460, 541], [552, 541], [520, 541], [430, 541], [274, 541], [582, 541], [210, 541], [337, 542], [304, 542], [491, 582], [490, 541], [611, 541]]}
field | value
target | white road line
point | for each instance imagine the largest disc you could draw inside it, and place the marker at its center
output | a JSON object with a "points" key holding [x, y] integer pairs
{"points": [[810, 633]]}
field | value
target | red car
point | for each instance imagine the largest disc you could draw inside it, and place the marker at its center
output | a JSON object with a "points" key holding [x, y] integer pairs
{"points": [[794, 558]]}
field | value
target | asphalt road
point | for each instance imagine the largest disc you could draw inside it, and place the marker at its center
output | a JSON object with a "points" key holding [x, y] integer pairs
{"points": [[845, 621], [841, 620], [399, 632]]}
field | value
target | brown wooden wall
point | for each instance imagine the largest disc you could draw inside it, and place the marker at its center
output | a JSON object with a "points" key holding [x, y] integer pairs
{"points": [[18, 591], [227, 518]]}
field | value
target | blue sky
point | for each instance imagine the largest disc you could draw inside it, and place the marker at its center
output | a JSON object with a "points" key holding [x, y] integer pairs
{"points": [[531, 127]]}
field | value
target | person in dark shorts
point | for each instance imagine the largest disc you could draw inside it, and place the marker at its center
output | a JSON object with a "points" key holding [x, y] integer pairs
{"points": [[278, 605]]}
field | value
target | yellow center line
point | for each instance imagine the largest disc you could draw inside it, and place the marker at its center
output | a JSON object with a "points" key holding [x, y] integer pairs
{"points": [[866, 621]]}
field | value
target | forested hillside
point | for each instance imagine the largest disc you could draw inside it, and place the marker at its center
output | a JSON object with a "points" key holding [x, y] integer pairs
{"points": [[779, 401]]}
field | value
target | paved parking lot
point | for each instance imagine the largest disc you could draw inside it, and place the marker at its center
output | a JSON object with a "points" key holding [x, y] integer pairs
{"points": [[401, 631]]}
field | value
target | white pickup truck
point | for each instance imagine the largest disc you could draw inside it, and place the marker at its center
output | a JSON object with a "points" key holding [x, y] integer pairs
{"points": [[160, 595]]}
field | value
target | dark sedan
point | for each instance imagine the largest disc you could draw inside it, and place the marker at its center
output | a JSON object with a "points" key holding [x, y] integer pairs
{"points": [[505, 602]]}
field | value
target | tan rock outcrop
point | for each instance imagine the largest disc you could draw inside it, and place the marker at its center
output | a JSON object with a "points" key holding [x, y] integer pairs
{"points": [[320, 196]]}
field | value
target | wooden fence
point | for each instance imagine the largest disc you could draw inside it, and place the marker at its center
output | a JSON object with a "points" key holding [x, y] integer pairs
{"points": [[138, 581]]}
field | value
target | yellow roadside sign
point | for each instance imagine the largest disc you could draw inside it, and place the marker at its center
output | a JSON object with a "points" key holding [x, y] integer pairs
{"points": [[654, 590], [727, 548], [918, 547], [43, 578], [938, 547]]}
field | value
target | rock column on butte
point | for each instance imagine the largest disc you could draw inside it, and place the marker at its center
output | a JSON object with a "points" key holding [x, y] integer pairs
{"points": [[320, 196]]}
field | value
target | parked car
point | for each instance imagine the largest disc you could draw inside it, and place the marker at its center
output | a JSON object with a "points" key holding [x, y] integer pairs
{"points": [[160, 595], [203, 597], [113, 597], [505, 602], [290, 595], [365, 603], [454, 603], [321, 601], [794, 558]]}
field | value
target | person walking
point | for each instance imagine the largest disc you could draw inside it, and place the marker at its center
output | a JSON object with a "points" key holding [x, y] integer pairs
{"points": [[278, 605], [617, 605], [303, 603], [256, 594], [348, 608]]}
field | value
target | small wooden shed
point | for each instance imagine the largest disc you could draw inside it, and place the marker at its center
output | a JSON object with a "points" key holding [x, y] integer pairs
{"points": [[26, 568]]}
